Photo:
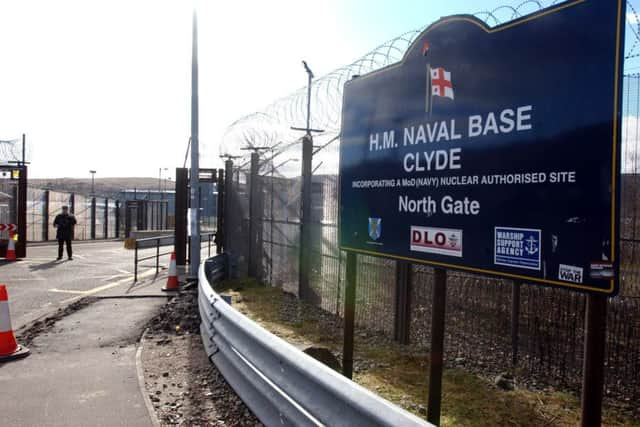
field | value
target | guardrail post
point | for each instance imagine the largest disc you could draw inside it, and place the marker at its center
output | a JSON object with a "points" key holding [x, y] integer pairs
{"points": [[45, 215], [402, 315], [93, 218], [437, 345], [349, 315]]}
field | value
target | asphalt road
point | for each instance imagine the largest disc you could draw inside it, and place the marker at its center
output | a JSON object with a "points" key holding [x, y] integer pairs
{"points": [[38, 284]]}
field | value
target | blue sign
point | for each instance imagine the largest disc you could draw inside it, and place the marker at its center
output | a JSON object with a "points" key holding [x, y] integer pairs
{"points": [[493, 150], [517, 247], [375, 228]]}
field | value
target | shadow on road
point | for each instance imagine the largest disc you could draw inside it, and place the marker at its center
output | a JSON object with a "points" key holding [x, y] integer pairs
{"points": [[43, 266]]}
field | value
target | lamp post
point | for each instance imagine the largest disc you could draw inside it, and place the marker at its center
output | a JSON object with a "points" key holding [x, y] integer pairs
{"points": [[93, 174]]}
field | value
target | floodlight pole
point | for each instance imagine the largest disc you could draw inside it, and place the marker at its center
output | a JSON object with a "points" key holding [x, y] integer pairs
{"points": [[195, 166]]}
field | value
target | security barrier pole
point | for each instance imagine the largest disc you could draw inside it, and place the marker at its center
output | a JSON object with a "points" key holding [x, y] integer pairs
{"points": [[182, 195], [437, 345], [21, 246], [105, 225], [349, 314], [305, 218], [45, 215], [254, 215], [228, 190], [220, 211], [93, 218], [117, 236]]}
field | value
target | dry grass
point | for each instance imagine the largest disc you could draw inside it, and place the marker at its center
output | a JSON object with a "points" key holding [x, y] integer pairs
{"points": [[400, 373]]}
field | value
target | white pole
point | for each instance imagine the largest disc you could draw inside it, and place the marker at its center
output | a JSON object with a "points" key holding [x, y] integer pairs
{"points": [[195, 166]]}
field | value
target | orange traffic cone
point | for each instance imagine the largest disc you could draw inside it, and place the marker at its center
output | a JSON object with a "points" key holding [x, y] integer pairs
{"points": [[9, 348], [11, 249], [172, 281]]}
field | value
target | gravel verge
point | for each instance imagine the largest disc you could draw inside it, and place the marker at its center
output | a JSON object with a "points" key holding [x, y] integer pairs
{"points": [[184, 387]]}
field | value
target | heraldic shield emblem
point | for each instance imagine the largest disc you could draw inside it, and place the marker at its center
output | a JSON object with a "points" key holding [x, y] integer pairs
{"points": [[375, 228]]}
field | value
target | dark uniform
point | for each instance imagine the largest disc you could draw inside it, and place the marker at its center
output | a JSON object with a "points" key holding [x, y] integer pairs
{"points": [[64, 223]]}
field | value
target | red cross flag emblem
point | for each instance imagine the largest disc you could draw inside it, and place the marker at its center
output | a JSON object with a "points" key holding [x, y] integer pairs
{"points": [[441, 83]]}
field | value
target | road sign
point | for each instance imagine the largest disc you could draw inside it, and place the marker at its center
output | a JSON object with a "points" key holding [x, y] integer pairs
{"points": [[8, 227], [493, 150]]}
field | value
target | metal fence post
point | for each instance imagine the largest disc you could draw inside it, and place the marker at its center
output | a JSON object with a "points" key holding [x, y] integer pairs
{"points": [[117, 218], [219, 241], [402, 314], [438, 305], [105, 226], [228, 194], [515, 321], [93, 218], [254, 215], [45, 215], [135, 263], [349, 314], [305, 218], [21, 246]]}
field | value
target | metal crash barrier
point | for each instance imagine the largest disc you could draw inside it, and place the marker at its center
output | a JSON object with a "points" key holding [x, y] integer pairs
{"points": [[279, 383]]}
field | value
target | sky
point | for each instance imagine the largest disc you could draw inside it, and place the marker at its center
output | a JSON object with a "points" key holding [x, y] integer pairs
{"points": [[105, 85]]}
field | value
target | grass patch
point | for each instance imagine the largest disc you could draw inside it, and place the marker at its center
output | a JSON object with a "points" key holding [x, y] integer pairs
{"points": [[400, 373]]}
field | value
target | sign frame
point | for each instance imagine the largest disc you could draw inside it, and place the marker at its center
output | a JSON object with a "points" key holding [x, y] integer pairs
{"points": [[613, 258]]}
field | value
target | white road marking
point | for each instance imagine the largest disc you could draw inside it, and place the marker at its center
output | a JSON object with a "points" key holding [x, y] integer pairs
{"points": [[103, 287]]}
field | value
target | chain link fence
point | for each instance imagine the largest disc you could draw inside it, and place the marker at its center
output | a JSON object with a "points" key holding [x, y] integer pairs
{"points": [[44, 205]]}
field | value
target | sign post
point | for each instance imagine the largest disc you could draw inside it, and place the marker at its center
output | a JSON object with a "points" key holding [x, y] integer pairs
{"points": [[438, 304], [495, 151], [593, 367]]}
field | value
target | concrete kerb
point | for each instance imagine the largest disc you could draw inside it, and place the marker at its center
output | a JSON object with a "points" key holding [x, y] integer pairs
{"points": [[141, 383]]}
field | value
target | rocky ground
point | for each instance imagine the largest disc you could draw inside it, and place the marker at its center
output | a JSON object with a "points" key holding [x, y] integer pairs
{"points": [[184, 387]]}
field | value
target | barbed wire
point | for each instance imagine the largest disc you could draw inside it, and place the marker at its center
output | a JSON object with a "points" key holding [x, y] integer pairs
{"points": [[271, 126], [10, 150]]}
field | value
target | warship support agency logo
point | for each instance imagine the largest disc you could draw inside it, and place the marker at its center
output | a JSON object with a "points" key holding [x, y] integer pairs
{"points": [[438, 82]]}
